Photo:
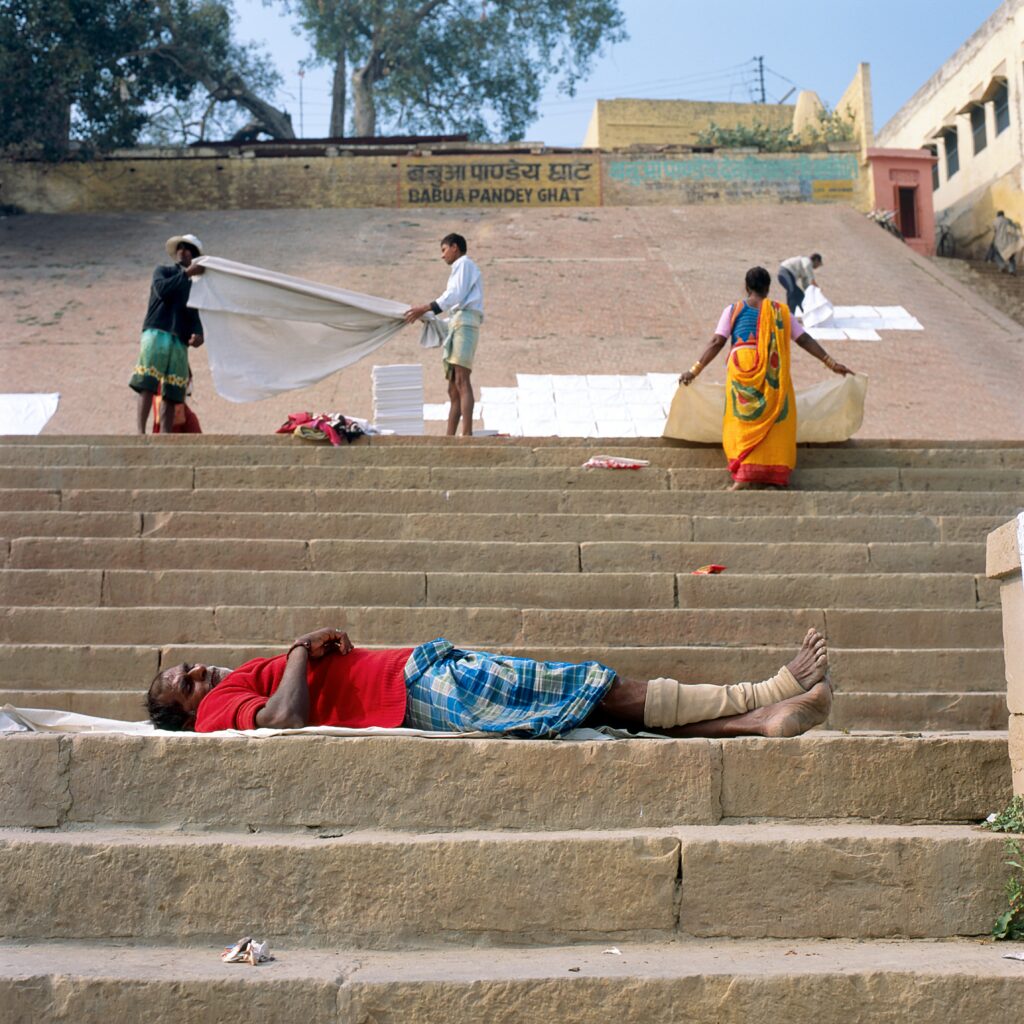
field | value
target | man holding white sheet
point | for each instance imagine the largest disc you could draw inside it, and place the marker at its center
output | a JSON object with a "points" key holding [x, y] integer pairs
{"points": [[463, 298]]}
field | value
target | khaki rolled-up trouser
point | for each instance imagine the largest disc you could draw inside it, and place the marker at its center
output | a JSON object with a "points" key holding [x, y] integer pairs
{"points": [[672, 703]]}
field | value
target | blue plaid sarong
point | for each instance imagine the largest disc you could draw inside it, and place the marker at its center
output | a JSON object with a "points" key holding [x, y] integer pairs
{"points": [[469, 691]]}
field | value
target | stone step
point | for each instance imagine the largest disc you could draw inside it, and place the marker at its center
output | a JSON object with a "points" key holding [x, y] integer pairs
{"points": [[135, 588], [526, 527], [457, 784], [399, 889], [439, 440], [921, 709], [497, 556], [525, 452], [488, 477], [494, 626], [753, 557], [719, 502], [949, 671], [715, 980], [851, 710]]}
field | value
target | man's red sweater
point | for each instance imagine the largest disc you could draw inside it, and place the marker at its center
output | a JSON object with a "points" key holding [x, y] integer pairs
{"points": [[358, 689]]}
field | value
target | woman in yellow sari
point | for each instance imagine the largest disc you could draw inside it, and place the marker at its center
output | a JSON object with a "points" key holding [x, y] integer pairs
{"points": [[759, 429]]}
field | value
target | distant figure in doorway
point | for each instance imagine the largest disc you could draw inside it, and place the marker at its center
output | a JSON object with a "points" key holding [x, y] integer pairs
{"points": [[796, 275], [759, 430], [168, 331], [1007, 242], [463, 298]]}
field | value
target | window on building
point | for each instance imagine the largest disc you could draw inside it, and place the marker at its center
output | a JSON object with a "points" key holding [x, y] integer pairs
{"points": [[978, 127], [949, 142], [1001, 103], [934, 150]]}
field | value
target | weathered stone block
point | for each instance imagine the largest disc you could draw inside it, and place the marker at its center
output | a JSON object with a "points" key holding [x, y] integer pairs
{"points": [[33, 781]]}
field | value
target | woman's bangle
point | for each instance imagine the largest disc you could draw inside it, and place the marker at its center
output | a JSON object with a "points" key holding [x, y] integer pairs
{"points": [[696, 368], [308, 644], [829, 361]]}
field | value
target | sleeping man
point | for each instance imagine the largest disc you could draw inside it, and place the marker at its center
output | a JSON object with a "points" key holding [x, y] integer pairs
{"points": [[322, 679]]}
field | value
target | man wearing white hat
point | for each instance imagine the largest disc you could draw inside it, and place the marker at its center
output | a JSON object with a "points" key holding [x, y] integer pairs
{"points": [[169, 329]]}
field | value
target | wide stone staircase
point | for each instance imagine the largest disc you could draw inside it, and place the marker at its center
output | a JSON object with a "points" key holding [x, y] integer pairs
{"points": [[831, 876]]}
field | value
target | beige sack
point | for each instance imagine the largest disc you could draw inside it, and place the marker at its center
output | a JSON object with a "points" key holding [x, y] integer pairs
{"points": [[830, 411]]}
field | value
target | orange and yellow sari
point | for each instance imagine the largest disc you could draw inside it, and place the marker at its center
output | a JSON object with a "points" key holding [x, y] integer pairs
{"points": [[759, 429]]}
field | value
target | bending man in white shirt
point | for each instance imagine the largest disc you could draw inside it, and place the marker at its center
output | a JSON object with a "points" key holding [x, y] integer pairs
{"points": [[796, 275], [463, 299]]}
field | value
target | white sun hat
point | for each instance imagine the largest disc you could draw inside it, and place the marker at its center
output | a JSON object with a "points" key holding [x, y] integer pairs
{"points": [[176, 240]]}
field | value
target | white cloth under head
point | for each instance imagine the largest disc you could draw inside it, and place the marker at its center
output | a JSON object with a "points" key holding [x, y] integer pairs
{"points": [[267, 333], [26, 413], [49, 720]]}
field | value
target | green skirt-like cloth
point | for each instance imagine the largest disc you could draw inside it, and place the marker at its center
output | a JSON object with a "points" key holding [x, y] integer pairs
{"points": [[162, 367]]}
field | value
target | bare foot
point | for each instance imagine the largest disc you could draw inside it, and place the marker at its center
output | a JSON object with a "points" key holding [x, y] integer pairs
{"points": [[810, 665], [798, 714], [739, 485]]}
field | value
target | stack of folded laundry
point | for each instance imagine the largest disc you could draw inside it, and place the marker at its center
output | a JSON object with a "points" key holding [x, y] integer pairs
{"points": [[398, 398]]}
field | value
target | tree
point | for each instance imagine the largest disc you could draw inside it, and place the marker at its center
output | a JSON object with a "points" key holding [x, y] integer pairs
{"points": [[435, 65], [97, 70]]}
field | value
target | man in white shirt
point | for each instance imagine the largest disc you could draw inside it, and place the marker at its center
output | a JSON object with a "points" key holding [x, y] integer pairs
{"points": [[463, 298], [797, 274]]}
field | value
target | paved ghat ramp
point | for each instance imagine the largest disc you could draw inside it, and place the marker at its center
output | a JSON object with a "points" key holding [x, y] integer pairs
{"points": [[614, 290]]}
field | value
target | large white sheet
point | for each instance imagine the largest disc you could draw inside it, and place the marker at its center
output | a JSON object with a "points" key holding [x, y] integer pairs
{"points": [[45, 720], [26, 413], [267, 333], [830, 411]]}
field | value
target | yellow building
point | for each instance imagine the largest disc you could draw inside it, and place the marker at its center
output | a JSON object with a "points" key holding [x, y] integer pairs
{"points": [[969, 114], [619, 124]]}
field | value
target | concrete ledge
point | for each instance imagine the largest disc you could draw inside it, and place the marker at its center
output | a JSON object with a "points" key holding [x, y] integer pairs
{"points": [[1002, 555]]}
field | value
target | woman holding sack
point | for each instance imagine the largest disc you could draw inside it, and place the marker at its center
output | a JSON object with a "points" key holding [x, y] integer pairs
{"points": [[759, 429]]}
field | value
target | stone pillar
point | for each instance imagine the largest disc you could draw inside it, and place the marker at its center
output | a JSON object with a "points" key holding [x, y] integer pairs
{"points": [[1003, 564]]}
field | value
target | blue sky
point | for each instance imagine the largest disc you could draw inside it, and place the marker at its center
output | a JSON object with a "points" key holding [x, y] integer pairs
{"points": [[679, 49]]}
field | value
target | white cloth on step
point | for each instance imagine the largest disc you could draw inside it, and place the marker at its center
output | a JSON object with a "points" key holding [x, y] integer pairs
{"points": [[267, 333]]}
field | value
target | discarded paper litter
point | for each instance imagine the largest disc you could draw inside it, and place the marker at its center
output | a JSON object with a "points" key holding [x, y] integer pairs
{"points": [[247, 951], [614, 462]]}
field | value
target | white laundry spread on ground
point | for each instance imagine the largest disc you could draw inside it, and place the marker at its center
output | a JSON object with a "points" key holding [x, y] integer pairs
{"points": [[21, 720], [26, 413], [826, 322], [832, 410], [267, 333]]}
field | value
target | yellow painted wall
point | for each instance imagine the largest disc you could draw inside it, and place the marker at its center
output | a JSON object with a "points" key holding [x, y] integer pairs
{"points": [[576, 179], [617, 124], [857, 102]]}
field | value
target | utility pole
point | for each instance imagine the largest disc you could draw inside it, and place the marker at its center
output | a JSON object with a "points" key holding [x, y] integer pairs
{"points": [[760, 79], [302, 130]]}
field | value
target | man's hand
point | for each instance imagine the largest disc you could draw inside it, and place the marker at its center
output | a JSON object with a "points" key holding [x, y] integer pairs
{"points": [[196, 341], [326, 640], [416, 313], [194, 270]]}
